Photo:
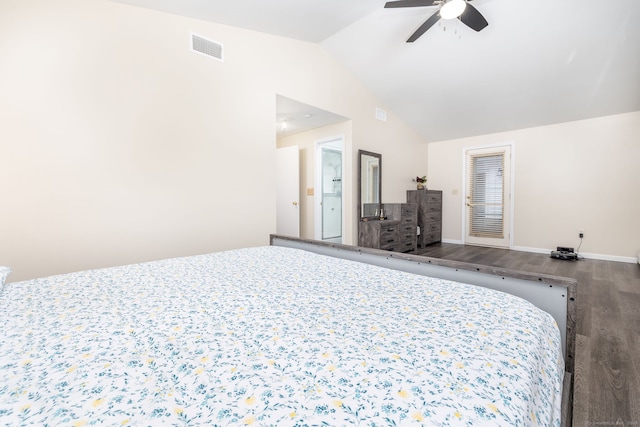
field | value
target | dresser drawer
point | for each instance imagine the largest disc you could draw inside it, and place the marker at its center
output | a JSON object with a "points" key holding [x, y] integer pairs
{"points": [[431, 237], [407, 237], [431, 227], [408, 245], [408, 229], [410, 221], [389, 246], [409, 210], [433, 207], [432, 217], [387, 231], [389, 236], [434, 197]]}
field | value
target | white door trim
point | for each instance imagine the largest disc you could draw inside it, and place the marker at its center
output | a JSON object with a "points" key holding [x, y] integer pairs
{"points": [[511, 204], [317, 195]]}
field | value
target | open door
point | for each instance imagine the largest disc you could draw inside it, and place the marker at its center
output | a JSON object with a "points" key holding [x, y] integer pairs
{"points": [[328, 218], [288, 191], [488, 196]]}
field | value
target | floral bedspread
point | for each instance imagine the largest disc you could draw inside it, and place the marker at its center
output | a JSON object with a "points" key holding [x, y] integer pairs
{"points": [[272, 336]]}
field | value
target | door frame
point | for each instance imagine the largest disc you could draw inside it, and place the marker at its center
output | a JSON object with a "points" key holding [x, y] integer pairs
{"points": [[317, 199], [288, 190], [511, 202]]}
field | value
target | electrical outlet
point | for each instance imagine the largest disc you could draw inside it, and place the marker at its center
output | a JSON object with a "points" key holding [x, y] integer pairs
{"points": [[580, 234]]}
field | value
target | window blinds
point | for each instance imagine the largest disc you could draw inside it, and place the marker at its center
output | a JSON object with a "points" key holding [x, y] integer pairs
{"points": [[486, 200]]}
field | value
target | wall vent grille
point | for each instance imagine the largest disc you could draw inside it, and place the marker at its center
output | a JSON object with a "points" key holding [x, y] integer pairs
{"points": [[207, 47]]}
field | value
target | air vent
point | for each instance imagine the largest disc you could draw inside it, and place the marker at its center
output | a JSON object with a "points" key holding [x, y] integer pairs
{"points": [[206, 47]]}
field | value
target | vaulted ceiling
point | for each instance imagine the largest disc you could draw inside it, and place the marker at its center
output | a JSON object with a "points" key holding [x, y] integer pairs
{"points": [[538, 62]]}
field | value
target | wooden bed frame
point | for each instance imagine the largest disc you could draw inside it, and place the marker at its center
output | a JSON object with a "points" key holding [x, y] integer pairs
{"points": [[553, 294]]}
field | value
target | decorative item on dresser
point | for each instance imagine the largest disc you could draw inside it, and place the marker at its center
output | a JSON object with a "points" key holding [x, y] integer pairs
{"points": [[398, 232], [421, 182], [429, 203]]}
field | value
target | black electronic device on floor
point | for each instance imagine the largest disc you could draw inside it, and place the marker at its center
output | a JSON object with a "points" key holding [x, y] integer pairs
{"points": [[564, 253]]}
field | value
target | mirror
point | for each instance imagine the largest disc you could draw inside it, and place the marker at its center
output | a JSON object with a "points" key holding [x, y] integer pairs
{"points": [[369, 180]]}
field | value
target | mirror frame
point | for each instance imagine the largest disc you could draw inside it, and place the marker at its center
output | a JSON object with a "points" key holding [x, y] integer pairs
{"points": [[362, 153]]}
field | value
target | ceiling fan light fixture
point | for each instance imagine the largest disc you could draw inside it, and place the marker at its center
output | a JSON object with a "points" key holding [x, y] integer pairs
{"points": [[452, 9]]}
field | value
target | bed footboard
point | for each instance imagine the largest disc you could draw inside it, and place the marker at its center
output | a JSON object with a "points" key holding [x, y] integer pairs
{"points": [[553, 294]]}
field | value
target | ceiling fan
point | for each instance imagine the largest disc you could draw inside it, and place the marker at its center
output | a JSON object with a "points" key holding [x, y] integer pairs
{"points": [[448, 9]]}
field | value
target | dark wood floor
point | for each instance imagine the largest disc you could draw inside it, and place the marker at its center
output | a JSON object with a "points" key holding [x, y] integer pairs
{"points": [[607, 369]]}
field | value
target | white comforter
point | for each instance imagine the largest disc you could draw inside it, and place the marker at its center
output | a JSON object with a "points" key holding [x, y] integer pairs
{"points": [[272, 337]]}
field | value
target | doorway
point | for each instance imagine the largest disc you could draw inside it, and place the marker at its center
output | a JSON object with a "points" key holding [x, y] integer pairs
{"points": [[288, 191], [488, 201], [329, 210], [304, 125]]}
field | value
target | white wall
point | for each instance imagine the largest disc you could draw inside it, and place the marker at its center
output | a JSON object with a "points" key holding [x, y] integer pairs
{"points": [[570, 176], [119, 145]]}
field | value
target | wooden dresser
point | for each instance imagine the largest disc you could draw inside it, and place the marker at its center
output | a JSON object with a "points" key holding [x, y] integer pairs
{"points": [[429, 203], [407, 214], [397, 233], [379, 234]]}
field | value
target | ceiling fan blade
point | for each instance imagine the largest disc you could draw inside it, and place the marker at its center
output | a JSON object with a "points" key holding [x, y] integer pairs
{"points": [[472, 18], [424, 27], [409, 3]]}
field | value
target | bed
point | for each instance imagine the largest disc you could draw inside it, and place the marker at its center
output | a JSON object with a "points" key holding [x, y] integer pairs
{"points": [[277, 336]]}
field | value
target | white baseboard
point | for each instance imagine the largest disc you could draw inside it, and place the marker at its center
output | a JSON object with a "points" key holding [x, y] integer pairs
{"points": [[455, 242], [534, 250], [601, 257], [616, 258]]}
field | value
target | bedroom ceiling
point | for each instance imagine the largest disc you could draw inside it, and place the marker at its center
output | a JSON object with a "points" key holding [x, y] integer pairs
{"points": [[537, 63]]}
